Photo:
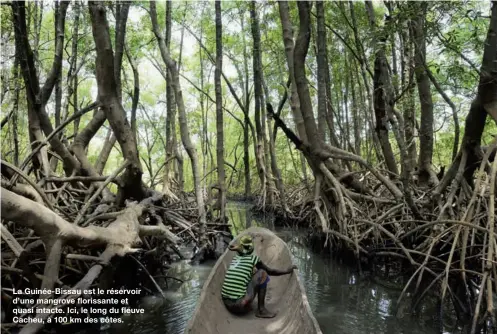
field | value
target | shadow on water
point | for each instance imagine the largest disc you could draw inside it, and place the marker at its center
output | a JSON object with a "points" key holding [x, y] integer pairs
{"points": [[342, 302]]}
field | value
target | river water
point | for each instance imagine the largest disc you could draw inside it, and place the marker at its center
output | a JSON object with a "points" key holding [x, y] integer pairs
{"points": [[342, 301]]}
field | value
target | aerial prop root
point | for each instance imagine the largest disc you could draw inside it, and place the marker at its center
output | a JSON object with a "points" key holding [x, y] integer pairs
{"points": [[123, 235], [451, 241]]}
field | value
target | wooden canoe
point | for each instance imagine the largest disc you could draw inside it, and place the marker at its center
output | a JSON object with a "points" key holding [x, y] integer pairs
{"points": [[286, 296]]}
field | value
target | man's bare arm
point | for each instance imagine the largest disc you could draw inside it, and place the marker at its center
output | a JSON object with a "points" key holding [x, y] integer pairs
{"points": [[274, 272]]}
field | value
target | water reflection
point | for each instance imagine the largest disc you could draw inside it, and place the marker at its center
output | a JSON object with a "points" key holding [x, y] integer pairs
{"points": [[342, 301], [240, 218], [181, 298]]}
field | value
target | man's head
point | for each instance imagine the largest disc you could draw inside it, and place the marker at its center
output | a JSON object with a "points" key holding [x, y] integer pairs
{"points": [[244, 246]]}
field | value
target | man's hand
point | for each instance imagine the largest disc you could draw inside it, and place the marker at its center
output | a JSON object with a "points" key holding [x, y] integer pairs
{"points": [[292, 268]]}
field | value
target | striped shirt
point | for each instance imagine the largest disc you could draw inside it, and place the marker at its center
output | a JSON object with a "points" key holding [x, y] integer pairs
{"points": [[238, 276]]}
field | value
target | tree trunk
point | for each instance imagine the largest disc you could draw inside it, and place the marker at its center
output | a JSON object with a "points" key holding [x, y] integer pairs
{"points": [[71, 81], [58, 98], [219, 113], [329, 104], [37, 97], [317, 153], [426, 173], [110, 139], [204, 140], [346, 110], [110, 103], [300, 53], [355, 116], [185, 133], [38, 19], [380, 91], [484, 103], [15, 111], [136, 91], [366, 125], [122, 10], [275, 169], [270, 186], [170, 113], [488, 77], [179, 174], [58, 104], [364, 71], [58, 101], [256, 59], [274, 182], [455, 146], [289, 51], [409, 104], [321, 69], [58, 80], [286, 26], [246, 119], [74, 55]]}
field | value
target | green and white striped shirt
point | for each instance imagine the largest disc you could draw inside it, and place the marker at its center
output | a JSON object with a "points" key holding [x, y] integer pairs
{"points": [[238, 276]]}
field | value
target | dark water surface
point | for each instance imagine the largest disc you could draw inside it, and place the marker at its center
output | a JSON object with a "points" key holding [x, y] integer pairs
{"points": [[342, 302]]}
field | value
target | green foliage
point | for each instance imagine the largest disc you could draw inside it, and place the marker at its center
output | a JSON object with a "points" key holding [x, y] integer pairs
{"points": [[6, 20], [453, 29]]}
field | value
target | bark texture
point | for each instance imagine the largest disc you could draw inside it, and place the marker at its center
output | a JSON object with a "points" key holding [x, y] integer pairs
{"points": [[426, 173], [322, 69], [131, 181], [221, 175], [382, 95]]}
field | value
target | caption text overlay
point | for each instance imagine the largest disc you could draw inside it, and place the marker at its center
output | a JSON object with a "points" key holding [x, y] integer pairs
{"points": [[73, 306]]}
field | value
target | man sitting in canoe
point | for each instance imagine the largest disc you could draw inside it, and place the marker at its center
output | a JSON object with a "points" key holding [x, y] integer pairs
{"points": [[246, 277]]}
